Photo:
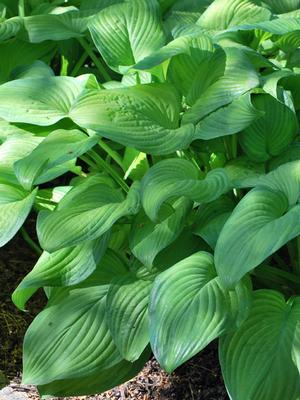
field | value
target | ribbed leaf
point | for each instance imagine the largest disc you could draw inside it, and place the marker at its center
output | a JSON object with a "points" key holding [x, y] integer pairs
{"points": [[211, 218], [127, 313], [10, 28], [126, 33], [256, 359], [15, 205], [244, 173], [98, 382], [145, 117], [283, 6], [223, 14], [228, 120], [69, 338], [176, 178], [269, 135], [40, 101], [239, 77], [147, 239], [57, 148], [262, 222], [64, 267], [85, 213], [189, 308], [65, 25]]}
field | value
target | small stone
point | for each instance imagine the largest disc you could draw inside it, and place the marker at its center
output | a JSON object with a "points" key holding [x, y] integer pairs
{"points": [[10, 394]]}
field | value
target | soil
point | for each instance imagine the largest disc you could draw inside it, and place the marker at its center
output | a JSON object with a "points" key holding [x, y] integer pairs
{"points": [[198, 379]]}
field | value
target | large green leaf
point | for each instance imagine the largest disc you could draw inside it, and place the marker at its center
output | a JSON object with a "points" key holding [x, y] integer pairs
{"points": [[223, 14], [256, 359], [57, 148], [128, 32], [147, 238], [15, 205], [98, 382], [85, 213], [228, 120], [56, 26], [269, 135], [177, 177], [283, 6], [10, 27], [40, 101], [262, 222], [211, 218], [189, 308], [64, 267], [69, 338], [239, 77], [127, 313], [145, 117]]}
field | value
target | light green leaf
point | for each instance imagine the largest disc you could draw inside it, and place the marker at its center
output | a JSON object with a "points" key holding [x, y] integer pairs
{"points": [[145, 117], [135, 163], [65, 25], [57, 148], [283, 6], [256, 359], [177, 177], [211, 218], [262, 222], [10, 27], [64, 267], [85, 213], [69, 338], [229, 119], [15, 205], [127, 313], [189, 308], [128, 32], [223, 14], [147, 238], [239, 77], [40, 101], [271, 134]]}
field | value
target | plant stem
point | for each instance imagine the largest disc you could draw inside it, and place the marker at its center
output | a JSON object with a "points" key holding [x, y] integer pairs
{"points": [[79, 63], [88, 48], [31, 243], [21, 8], [106, 167], [113, 154]]}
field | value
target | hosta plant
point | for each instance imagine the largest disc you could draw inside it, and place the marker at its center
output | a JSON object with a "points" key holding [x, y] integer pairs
{"points": [[157, 143]]}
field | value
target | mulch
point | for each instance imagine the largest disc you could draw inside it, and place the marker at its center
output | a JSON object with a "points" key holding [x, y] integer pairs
{"points": [[198, 379]]}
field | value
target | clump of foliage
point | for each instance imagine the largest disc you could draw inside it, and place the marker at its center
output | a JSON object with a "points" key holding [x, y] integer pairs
{"points": [[173, 126]]}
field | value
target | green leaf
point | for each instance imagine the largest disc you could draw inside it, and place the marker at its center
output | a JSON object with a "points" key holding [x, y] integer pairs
{"points": [[211, 218], [135, 163], [239, 77], [69, 339], [244, 173], [64, 267], [145, 117], [262, 222], [271, 134], [10, 27], [57, 148], [65, 25], [177, 177], [189, 308], [18, 53], [229, 119], [98, 382], [85, 213], [256, 359], [147, 238], [40, 101], [127, 313], [15, 205], [223, 14], [283, 6], [128, 32]]}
